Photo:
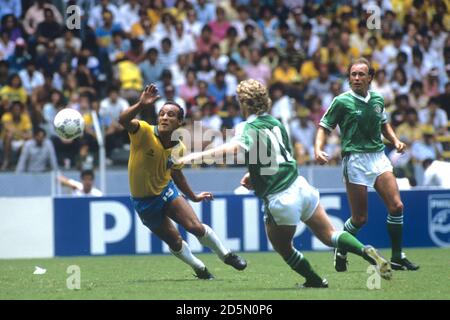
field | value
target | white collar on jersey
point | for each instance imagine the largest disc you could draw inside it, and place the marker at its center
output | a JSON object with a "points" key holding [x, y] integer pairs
{"points": [[357, 96], [253, 117]]}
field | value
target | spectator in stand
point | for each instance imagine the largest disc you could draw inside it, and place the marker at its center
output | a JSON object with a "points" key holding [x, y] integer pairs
{"points": [[183, 42], [36, 14], [218, 89], [31, 78], [400, 112], [38, 154], [206, 11], [220, 25], [417, 99], [168, 54], [13, 91], [205, 70], [85, 188], [51, 59], [17, 61], [169, 95], [303, 132], [427, 147], [256, 69], [151, 68], [16, 129], [381, 85], [410, 130], [7, 46], [12, 26], [189, 90], [96, 17], [192, 26], [49, 29], [433, 115], [206, 40]]}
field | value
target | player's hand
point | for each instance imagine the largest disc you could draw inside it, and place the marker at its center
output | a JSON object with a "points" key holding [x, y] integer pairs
{"points": [[400, 146], [245, 181], [203, 196], [321, 157], [149, 95]]}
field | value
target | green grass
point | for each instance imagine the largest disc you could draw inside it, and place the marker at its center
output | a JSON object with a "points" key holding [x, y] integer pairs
{"points": [[267, 277]]}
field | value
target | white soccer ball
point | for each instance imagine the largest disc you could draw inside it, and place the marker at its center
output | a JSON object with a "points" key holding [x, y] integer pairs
{"points": [[69, 124]]}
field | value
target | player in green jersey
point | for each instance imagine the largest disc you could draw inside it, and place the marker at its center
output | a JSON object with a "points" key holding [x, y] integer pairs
{"points": [[359, 113], [287, 197]]}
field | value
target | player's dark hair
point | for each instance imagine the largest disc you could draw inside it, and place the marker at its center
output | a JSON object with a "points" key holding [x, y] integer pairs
{"points": [[87, 172], [180, 111]]}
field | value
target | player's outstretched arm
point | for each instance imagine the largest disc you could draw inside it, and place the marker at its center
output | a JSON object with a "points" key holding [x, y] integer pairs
{"points": [[182, 184], [321, 137], [127, 117], [389, 134], [214, 153]]}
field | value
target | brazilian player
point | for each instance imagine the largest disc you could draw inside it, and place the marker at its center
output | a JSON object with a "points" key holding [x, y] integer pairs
{"points": [[361, 119], [154, 179], [287, 197]]}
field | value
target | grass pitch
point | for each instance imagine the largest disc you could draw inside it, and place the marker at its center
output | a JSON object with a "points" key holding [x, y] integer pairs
{"points": [[266, 277]]}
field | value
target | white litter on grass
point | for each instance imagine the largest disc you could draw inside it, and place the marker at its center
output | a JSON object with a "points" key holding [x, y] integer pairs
{"points": [[39, 270]]}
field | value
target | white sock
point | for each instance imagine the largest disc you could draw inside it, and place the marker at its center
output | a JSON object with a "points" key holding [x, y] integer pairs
{"points": [[186, 256], [211, 240]]}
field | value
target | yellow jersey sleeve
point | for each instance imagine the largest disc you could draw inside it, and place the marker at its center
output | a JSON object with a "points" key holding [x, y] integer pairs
{"points": [[138, 137], [177, 152]]}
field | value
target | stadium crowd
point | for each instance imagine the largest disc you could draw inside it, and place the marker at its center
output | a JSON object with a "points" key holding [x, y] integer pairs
{"points": [[197, 51]]}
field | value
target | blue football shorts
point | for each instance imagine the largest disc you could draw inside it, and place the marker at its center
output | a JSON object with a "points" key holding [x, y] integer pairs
{"points": [[151, 209]]}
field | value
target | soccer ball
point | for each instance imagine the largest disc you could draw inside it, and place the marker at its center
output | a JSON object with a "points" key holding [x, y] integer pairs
{"points": [[69, 124]]}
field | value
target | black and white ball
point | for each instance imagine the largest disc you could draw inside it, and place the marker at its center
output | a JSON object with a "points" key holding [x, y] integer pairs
{"points": [[69, 124]]}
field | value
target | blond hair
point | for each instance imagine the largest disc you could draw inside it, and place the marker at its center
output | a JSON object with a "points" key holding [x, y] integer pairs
{"points": [[253, 96]]}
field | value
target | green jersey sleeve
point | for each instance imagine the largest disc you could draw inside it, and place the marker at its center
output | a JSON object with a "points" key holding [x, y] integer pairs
{"points": [[242, 136], [331, 118]]}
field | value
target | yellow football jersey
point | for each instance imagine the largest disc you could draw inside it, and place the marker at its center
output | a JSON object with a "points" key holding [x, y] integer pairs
{"points": [[150, 163]]}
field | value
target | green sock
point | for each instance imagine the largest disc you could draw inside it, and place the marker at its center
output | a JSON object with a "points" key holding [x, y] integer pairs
{"points": [[350, 228], [300, 264], [344, 241], [395, 230]]}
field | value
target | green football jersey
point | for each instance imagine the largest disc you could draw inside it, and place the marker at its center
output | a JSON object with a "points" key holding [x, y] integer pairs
{"points": [[268, 154], [359, 121]]}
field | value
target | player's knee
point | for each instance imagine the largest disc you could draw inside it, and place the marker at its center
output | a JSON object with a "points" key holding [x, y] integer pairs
{"points": [[195, 228], [176, 243], [396, 208]]}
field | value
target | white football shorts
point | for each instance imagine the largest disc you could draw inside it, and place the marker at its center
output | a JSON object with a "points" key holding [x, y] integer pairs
{"points": [[364, 168]]}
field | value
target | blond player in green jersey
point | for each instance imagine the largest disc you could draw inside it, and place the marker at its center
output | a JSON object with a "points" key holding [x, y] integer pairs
{"points": [[359, 113], [288, 198]]}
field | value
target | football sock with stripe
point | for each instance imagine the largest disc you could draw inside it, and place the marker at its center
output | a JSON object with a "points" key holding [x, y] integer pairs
{"points": [[395, 231], [350, 228], [344, 241], [300, 264]]}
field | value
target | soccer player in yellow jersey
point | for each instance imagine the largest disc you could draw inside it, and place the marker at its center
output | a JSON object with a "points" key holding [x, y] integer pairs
{"points": [[154, 178]]}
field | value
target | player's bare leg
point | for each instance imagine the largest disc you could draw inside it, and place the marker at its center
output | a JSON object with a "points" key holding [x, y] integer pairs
{"points": [[168, 233], [281, 239], [387, 188], [182, 213]]}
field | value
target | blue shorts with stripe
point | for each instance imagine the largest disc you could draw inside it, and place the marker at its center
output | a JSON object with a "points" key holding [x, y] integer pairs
{"points": [[151, 209]]}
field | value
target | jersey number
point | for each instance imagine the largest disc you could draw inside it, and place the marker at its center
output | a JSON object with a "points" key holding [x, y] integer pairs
{"points": [[276, 141]]}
